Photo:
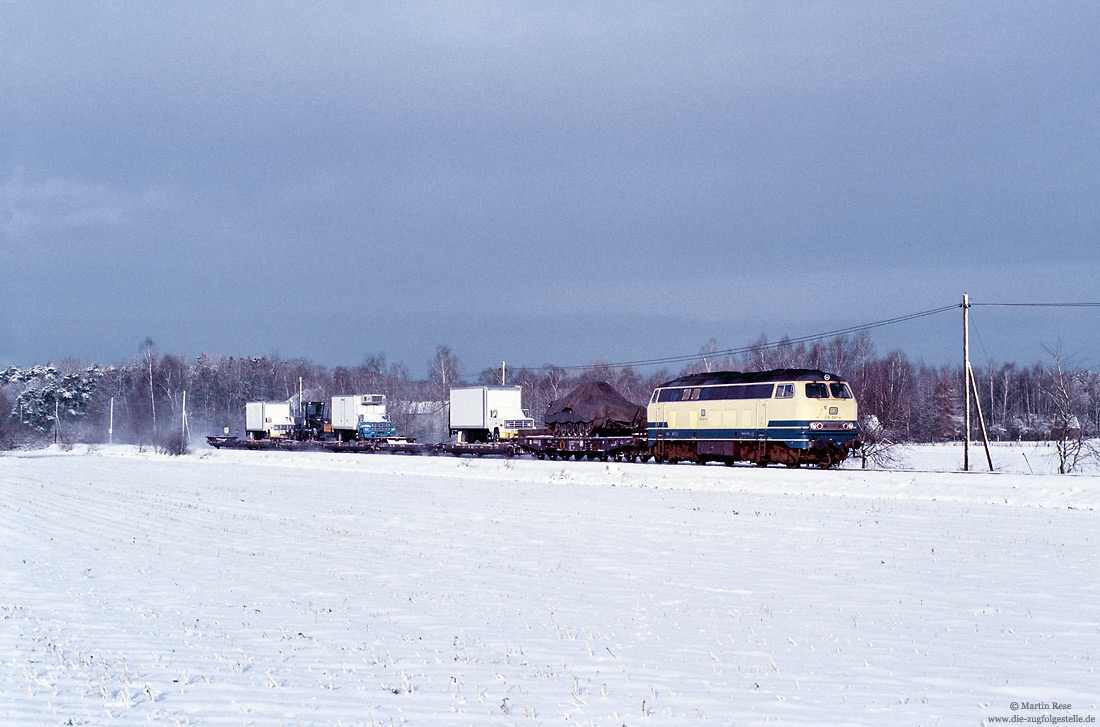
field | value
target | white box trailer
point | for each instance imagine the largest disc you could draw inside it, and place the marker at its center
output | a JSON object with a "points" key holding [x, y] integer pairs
{"points": [[488, 413], [267, 419]]}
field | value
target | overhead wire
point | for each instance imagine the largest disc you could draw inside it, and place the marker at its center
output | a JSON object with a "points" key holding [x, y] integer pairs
{"points": [[684, 358], [1038, 305], [1025, 305]]}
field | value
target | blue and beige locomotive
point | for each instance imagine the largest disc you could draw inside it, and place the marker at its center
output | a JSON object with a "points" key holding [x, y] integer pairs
{"points": [[785, 416]]}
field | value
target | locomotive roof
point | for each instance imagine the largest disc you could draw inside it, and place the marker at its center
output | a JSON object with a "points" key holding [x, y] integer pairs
{"points": [[751, 377]]}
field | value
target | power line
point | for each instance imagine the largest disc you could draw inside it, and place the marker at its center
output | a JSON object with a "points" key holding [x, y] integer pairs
{"points": [[686, 358], [1037, 305], [1026, 305], [758, 347]]}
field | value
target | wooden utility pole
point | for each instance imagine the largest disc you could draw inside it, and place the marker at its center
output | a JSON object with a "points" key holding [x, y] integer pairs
{"points": [[966, 382]]}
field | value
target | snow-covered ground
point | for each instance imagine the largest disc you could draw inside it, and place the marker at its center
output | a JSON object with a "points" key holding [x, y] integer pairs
{"points": [[230, 588]]}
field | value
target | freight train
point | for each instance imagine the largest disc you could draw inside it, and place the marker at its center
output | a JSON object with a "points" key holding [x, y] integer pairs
{"points": [[786, 416]]}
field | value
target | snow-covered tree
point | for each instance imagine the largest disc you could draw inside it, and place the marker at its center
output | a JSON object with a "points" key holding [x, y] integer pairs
{"points": [[51, 399], [877, 443]]}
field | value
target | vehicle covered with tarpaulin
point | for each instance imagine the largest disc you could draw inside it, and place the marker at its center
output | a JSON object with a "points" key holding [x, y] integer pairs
{"points": [[595, 408]]}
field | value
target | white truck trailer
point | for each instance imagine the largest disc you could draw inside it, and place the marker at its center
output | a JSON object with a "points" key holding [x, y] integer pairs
{"points": [[267, 419], [488, 413], [361, 416]]}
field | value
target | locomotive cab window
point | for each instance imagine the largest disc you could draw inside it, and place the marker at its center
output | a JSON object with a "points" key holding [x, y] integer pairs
{"points": [[669, 394], [784, 391], [840, 391], [817, 391]]}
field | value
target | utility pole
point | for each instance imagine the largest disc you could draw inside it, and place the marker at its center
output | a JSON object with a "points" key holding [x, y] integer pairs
{"points": [[966, 382]]}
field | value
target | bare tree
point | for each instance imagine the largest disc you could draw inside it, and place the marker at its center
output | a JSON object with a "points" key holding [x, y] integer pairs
{"points": [[150, 359], [1069, 397], [708, 354], [555, 382], [445, 372], [877, 443], [758, 357]]}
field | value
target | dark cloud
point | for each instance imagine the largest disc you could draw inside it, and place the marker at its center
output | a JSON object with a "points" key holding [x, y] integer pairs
{"points": [[360, 178]]}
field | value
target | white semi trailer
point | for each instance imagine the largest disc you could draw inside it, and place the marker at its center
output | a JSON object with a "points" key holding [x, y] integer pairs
{"points": [[488, 413]]}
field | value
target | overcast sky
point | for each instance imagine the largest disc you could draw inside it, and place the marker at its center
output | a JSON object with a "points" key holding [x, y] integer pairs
{"points": [[544, 182]]}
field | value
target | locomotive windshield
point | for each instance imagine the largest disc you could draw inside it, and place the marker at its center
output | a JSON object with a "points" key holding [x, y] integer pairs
{"points": [[840, 391], [818, 390]]}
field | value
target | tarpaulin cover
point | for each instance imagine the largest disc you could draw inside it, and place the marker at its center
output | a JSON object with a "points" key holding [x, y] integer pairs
{"points": [[598, 404]]}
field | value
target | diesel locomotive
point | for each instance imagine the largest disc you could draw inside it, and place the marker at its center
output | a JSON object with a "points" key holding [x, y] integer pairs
{"points": [[785, 416]]}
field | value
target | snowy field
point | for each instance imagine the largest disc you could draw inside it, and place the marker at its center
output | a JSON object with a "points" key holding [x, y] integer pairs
{"points": [[253, 588]]}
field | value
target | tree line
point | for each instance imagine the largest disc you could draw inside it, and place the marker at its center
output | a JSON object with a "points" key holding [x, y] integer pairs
{"points": [[900, 400]]}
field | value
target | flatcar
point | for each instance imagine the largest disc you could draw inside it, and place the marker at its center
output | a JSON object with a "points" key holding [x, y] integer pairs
{"points": [[785, 416]]}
